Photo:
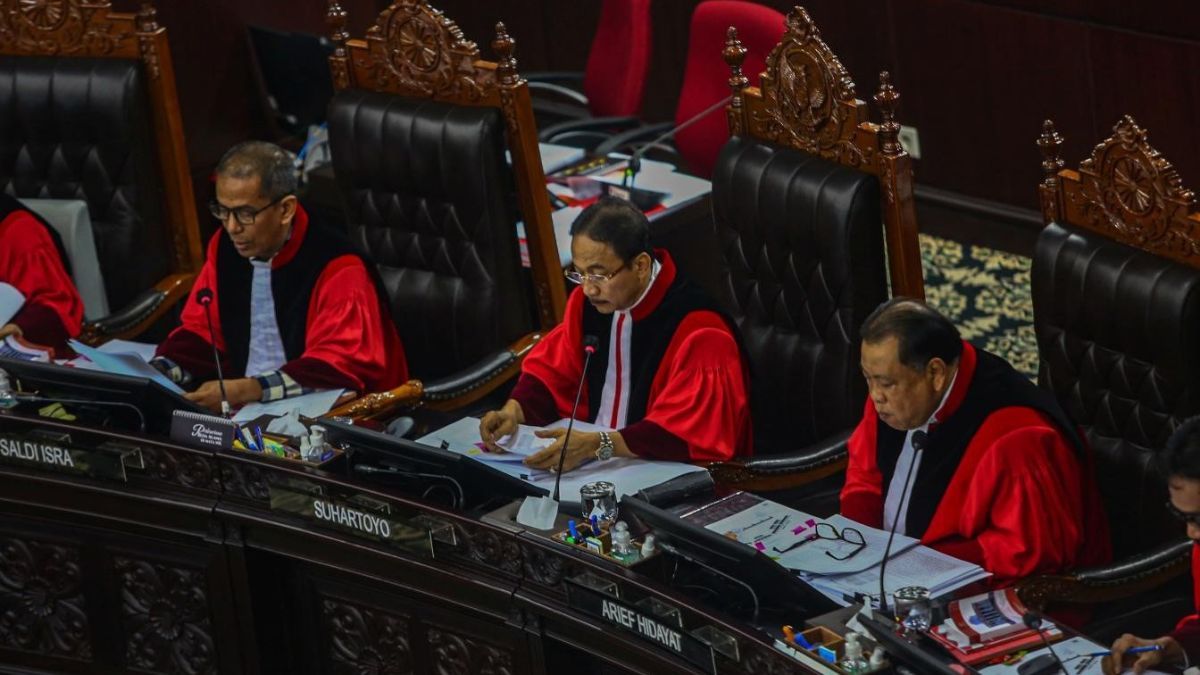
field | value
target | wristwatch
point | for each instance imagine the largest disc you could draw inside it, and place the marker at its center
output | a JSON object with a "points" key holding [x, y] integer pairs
{"points": [[605, 451]]}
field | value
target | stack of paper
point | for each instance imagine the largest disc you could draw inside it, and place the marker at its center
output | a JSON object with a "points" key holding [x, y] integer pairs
{"points": [[839, 568], [627, 475]]}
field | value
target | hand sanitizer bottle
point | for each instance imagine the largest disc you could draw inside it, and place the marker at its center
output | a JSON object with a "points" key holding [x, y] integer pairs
{"points": [[852, 660]]}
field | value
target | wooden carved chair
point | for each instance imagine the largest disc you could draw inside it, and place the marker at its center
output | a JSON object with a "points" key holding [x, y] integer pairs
{"points": [[807, 195], [88, 110], [419, 128], [1116, 298]]}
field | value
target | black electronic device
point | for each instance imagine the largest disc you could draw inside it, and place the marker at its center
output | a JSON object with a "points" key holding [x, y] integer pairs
{"points": [[457, 480], [294, 71], [929, 660], [77, 387], [776, 589]]}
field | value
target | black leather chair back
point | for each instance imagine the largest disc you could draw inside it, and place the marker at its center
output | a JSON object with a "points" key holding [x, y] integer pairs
{"points": [[79, 129], [1118, 333], [803, 241], [429, 195]]}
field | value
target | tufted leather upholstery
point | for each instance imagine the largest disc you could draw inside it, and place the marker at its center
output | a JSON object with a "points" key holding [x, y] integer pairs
{"points": [[1118, 331], [429, 195], [803, 241], [79, 129]]}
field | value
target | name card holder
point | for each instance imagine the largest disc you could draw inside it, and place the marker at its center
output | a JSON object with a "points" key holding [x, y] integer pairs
{"points": [[653, 621], [56, 451]]}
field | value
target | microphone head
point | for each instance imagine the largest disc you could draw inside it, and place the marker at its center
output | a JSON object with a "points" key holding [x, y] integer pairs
{"points": [[204, 296], [1032, 620], [919, 439], [590, 342]]}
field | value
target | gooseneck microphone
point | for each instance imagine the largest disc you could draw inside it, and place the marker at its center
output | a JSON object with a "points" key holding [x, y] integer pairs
{"points": [[589, 347], [204, 296], [635, 159], [1033, 621], [919, 438]]}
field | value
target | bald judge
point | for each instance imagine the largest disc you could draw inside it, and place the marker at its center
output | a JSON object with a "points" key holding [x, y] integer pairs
{"points": [[668, 376], [997, 474], [295, 307]]}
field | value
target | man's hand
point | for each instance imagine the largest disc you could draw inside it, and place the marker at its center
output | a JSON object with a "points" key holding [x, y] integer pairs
{"points": [[1117, 662], [208, 395], [9, 329], [500, 423], [584, 445]]}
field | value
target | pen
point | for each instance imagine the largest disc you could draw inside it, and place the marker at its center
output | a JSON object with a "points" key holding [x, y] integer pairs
{"points": [[1133, 650]]}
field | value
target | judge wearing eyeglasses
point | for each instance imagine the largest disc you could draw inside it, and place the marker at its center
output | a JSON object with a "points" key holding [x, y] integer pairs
{"points": [[668, 376], [295, 307], [1180, 647]]}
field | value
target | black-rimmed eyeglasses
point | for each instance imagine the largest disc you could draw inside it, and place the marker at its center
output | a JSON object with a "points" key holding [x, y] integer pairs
{"points": [[827, 531], [244, 215]]}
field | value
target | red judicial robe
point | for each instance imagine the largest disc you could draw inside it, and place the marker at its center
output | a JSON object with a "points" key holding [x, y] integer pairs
{"points": [[332, 315], [688, 383], [33, 261], [1005, 480], [1187, 632]]}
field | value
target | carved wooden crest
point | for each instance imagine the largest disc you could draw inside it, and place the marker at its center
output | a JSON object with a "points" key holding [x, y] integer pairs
{"points": [[807, 99], [414, 50], [807, 102], [64, 28], [1126, 190]]}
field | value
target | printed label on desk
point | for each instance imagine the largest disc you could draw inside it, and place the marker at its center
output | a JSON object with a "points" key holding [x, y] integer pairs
{"points": [[23, 451], [614, 612], [345, 516]]}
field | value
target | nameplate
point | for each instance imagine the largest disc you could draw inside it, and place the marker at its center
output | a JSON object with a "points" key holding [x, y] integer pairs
{"points": [[31, 451], [653, 629], [362, 517], [203, 431]]}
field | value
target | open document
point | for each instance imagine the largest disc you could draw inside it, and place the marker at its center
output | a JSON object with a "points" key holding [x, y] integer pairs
{"points": [[626, 474], [11, 301], [124, 363], [837, 556]]}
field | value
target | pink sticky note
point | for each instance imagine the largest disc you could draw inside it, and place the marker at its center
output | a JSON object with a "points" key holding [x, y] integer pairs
{"points": [[800, 528], [760, 546]]}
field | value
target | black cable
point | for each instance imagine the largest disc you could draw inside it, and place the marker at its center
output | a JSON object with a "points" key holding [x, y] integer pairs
{"points": [[34, 398], [459, 500], [1033, 621], [753, 596]]}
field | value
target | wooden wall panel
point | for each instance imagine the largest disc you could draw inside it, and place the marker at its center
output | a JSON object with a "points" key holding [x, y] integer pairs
{"points": [[977, 76], [977, 83]]}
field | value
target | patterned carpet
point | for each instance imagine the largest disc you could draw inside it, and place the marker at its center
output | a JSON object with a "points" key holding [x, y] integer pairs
{"points": [[986, 293]]}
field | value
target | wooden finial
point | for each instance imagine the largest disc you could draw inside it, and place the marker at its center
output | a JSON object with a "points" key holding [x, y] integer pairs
{"points": [[734, 55], [147, 18], [888, 99], [1049, 143], [335, 18], [505, 46]]}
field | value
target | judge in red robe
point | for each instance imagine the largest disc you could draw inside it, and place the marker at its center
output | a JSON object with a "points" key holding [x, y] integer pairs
{"points": [[1180, 647], [667, 373], [997, 474], [33, 261], [294, 306]]}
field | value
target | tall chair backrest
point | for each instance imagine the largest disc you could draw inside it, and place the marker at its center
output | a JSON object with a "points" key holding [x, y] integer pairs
{"points": [[418, 129], [615, 76], [1116, 300], [802, 195], [88, 110], [759, 29]]}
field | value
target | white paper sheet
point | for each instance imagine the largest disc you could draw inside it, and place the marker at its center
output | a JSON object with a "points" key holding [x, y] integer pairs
{"points": [[11, 301], [626, 474], [124, 364], [1070, 652], [917, 566], [310, 405], [142, 349]]}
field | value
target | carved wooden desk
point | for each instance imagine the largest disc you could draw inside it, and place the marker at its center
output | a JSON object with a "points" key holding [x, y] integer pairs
{"points": [[122, 554]]}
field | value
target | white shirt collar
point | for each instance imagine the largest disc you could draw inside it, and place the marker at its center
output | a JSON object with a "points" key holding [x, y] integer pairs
{"points": [[933, 419], [654, 270]]}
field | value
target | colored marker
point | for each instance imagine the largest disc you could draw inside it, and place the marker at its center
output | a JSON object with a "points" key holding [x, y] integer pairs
{"points": [[571, 528]]}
